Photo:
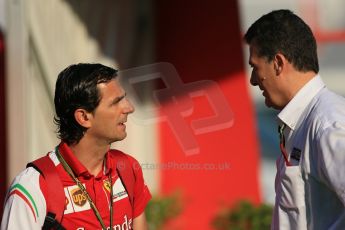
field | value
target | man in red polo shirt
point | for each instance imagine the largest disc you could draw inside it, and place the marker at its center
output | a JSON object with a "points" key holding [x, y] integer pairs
{"points": [[91, 112]]}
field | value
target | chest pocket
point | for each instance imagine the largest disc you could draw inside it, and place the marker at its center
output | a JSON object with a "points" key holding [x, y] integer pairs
{"points": [[290, 196], [290, 186]]}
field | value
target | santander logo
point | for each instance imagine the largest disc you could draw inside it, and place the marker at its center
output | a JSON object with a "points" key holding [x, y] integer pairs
{"points": [[125, 225]]}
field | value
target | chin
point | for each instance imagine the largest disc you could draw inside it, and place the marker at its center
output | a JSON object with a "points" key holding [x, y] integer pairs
{"points": [[269, 104], [276, 107], [120, 138]]}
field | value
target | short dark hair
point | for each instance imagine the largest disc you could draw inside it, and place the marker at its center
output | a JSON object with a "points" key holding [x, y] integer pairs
{"points": [[283, 31], [76, 87]]}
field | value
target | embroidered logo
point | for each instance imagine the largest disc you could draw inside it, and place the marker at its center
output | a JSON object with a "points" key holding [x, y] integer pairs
{"points": [[119, 191], [75, 201], [106, 185], [296, 154], [78, 197]]}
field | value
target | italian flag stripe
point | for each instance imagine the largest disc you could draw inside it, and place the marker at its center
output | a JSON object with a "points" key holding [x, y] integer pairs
{"points": [[21, 195], [19, 190]]}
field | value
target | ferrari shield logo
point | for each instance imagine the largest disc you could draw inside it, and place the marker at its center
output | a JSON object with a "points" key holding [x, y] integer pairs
{"points": [[106, 185]]}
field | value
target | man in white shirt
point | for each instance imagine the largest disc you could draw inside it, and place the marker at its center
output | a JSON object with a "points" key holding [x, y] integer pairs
{"points": [[310, 180]]}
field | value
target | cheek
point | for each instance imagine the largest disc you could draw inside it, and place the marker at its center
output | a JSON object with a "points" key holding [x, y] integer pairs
{"points": [[110, 113], [259, 75]]}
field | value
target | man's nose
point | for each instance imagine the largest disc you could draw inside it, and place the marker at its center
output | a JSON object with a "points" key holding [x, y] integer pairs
{"points": [[253, 80], [129, 107]]}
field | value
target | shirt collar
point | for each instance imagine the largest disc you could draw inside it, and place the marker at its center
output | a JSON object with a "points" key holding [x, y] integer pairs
{"points": [[294, 109], [78, 168]]}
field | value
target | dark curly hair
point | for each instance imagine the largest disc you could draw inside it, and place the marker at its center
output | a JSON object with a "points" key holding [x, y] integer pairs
{"points": [[76, 87], [283, 31]]}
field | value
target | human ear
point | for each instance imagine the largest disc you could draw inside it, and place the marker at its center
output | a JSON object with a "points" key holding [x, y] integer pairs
{"points": [[278, 63], [82, 117]]}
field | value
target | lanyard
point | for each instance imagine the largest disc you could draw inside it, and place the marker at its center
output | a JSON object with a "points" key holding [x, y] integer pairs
{"points": [[85, 193], [282, 144]]}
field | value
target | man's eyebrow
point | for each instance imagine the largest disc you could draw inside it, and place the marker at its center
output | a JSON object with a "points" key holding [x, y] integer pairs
{"points": [[119, 98]]}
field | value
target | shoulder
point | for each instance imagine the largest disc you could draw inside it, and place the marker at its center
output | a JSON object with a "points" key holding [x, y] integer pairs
{"points": [[327, 110], [126, 165], [27, 180], [25, 197], [330, 104], [117, 155]]}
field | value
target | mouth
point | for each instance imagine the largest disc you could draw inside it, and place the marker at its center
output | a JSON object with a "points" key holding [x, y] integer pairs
{"points": [[122, 124], [262, 90]]}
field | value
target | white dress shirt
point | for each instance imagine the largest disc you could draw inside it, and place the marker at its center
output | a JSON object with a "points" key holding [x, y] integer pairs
{"points": [[310, 194]]}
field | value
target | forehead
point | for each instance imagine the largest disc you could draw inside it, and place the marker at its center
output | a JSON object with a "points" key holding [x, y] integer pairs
{"points": [[253, 52], [111, 88], [254, 57]]}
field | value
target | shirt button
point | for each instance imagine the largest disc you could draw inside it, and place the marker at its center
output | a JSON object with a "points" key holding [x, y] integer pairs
{"points": [[87, 176]]}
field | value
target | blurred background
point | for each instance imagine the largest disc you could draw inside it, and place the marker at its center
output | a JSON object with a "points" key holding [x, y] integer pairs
{"points": [[205, 140]]}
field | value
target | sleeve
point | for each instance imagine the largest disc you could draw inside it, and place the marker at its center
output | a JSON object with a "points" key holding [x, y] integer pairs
{"points": [[25, 206], [331, 148], [142, 193]]}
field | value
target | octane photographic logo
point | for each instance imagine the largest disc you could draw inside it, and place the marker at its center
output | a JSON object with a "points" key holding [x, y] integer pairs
{"points": [[174, 102]]}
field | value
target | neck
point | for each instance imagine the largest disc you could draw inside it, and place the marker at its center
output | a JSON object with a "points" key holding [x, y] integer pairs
{"points": [[90, 155], [297, 81]]}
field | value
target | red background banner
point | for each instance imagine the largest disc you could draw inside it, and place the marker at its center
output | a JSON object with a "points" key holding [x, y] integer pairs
{"points": [[203, 41]]}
